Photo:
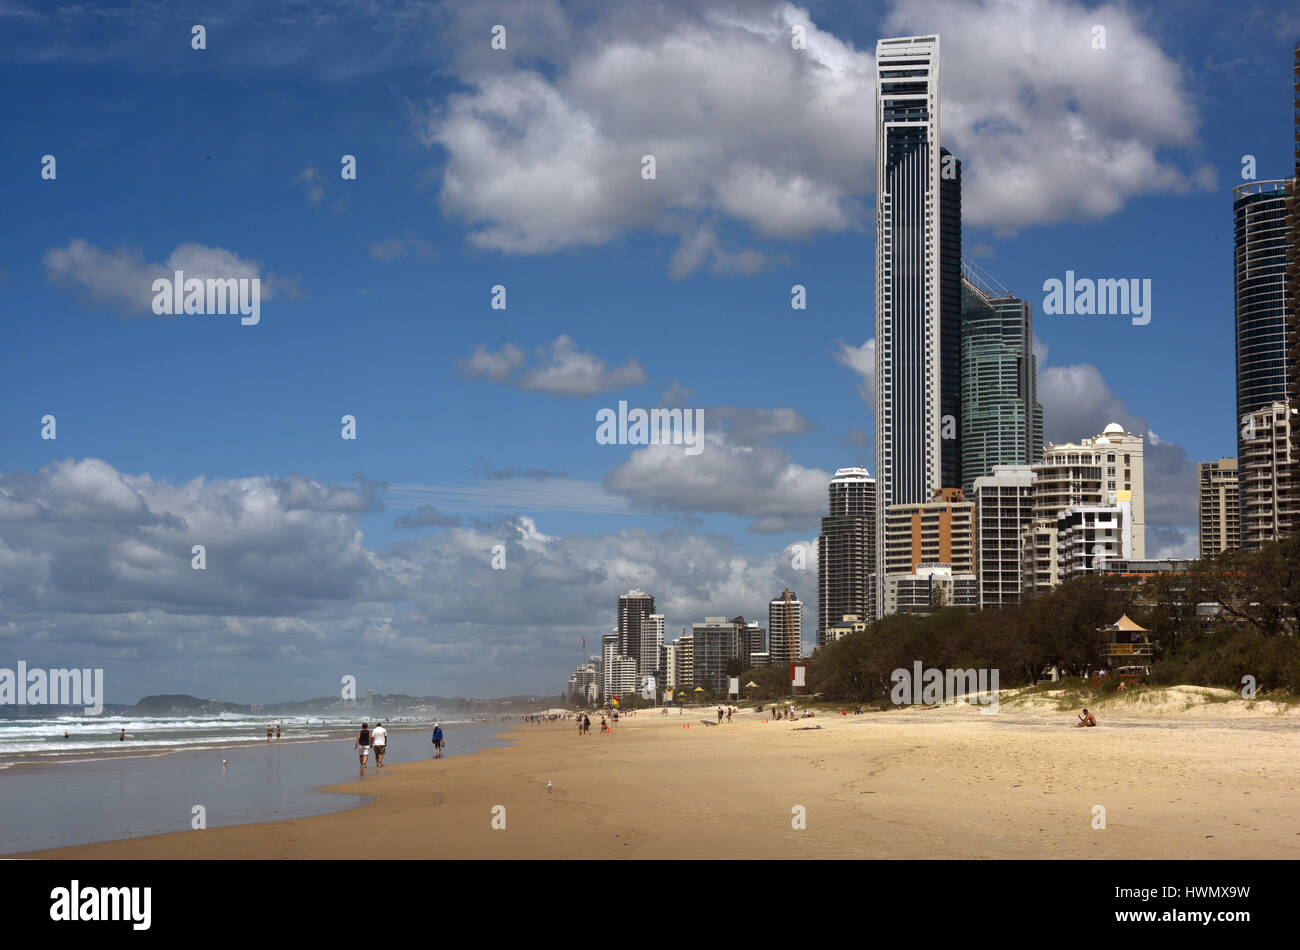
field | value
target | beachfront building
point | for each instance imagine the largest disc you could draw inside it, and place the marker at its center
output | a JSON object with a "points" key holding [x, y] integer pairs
{"points": [[1088, 536], [634, 610], [753, 640], [846, 550], [1004, 507], [939, 531], [618, 670], [717, 641], [785, 628], [584, 685], [685, 672], [918, 284], [1099, 471], [668, 663], [1218, 506], [652, 641], [1269, 475], [929, 588], [1001, 422]]}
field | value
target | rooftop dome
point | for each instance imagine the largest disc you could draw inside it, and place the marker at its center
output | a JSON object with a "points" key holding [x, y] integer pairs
{"points": [[1113, 429]]}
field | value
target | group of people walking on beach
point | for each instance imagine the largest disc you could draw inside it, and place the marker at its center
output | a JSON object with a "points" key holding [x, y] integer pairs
{"points": [[368, 738], [377, 739]]}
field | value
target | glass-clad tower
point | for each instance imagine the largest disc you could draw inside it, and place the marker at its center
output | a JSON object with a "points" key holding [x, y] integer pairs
{"points": [[1002, 422], [1259, 250], [918, 284]]}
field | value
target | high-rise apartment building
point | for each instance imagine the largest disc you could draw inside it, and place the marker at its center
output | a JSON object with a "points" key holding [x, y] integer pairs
{"points": [[617, 669], [668, 662], [1260, 295], [1293, 262], [846, 551], [685, 672], [1004, 507], [918, 284], [716, 642], [1002, 421], [939, 531], [1099, 471], [753, 641], [633, 608], [652, 640], [1268, 476], [785, 628], [1218, 506]]}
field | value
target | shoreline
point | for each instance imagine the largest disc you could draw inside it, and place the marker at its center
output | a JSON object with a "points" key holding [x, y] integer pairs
{"points": [[110, 754], [937, 783], [81, 804]]}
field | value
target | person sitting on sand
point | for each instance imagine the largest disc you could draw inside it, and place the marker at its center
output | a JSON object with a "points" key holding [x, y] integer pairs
{"points": [[1085, 719]]}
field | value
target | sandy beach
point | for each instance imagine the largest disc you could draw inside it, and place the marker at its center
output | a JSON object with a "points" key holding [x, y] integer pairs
{"points": [[942, 783]]}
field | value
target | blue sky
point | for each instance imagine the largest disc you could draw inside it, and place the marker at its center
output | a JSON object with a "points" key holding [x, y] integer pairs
{"points": [[521, 167]]}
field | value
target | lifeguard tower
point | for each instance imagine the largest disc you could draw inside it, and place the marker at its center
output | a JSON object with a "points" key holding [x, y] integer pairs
{"points": [[1128, 651]]}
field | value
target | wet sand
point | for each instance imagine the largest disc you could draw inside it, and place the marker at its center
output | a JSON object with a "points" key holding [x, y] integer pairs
{"points": [[944, 783]]}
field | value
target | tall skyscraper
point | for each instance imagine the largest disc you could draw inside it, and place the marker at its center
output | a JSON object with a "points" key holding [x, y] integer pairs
{"points": [[1218, 506], [1001, 421], [918, 284], [1260, 241], [1293, 300], [633, 608], [785, 639], [846, 552]]}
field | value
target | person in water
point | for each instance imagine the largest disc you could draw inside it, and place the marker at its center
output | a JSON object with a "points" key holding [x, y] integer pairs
{"points": [[437, 740]]}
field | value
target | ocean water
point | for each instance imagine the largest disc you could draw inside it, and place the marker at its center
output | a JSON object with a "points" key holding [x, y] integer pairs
{"points": [[56, 792]]}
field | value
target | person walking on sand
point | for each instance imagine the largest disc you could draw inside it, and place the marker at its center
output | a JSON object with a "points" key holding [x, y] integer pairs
{"points": [[363, 743], [379, 739], [729, 712], [586, 724], [437, 740]]}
